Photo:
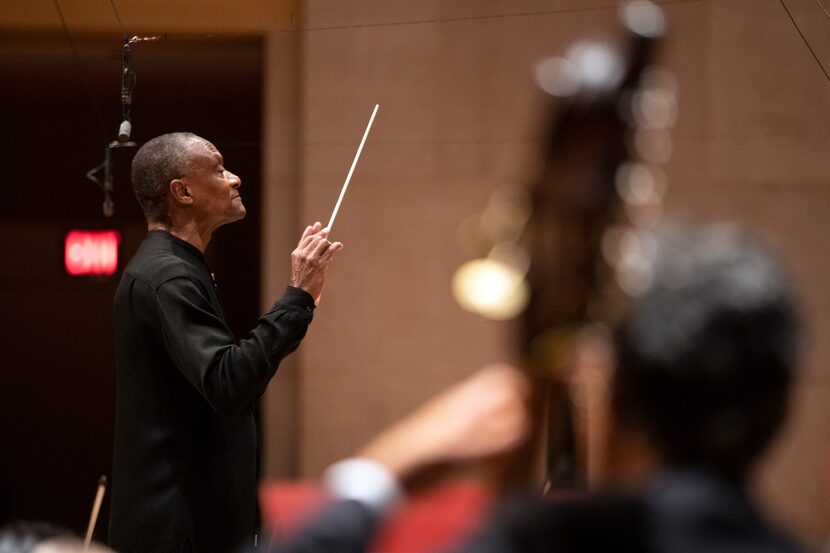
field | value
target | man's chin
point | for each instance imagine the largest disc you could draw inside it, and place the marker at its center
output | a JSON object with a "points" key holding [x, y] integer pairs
{"points": [[234, 216]]}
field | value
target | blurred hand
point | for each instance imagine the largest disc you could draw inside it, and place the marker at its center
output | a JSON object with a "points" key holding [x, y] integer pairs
{"points": [[480, 417], [311, 258]]}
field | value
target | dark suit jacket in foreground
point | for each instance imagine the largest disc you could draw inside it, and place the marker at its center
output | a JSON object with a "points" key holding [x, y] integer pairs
{"points": [[185, 463], [681, 511]]}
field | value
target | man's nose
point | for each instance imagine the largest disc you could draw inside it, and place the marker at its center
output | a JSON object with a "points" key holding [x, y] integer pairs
{"points": [[236, 182]]}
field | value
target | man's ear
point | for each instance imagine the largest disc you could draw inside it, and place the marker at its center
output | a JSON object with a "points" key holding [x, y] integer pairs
{"points": [[180, 192]]}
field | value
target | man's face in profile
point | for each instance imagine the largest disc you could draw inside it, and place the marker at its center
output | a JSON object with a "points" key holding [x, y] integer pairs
{"points": [[215, 190]]}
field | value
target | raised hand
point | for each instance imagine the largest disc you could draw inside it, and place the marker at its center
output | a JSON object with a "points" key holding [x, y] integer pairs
{"points": [[311, 258]]}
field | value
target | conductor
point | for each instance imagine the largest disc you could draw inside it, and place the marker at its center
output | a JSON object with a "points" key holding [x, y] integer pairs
{"points": [[186, 457]]}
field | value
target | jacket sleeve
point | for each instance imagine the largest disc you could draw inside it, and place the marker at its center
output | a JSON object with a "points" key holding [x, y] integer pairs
{"points": [[345, 526], [229, 375]]}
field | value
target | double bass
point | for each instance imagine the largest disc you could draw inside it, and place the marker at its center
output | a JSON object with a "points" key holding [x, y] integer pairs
{"points": [[571, 251]]}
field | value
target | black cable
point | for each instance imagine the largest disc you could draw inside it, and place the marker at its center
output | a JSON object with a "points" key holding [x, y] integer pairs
{"points": [[820, 5], [456, 19], [118, 17], [426, 21], [810, 48], [81, 72]]}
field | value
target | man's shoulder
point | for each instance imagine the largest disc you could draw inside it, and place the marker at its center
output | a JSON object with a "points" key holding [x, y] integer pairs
{"points": [[157, 267], [156, 263]]}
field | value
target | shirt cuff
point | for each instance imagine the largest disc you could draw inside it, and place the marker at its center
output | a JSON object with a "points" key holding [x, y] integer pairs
{"points": [[297, 297], [365, 481]]}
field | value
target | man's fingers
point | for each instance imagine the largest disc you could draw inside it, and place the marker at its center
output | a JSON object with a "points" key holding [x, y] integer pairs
{"points": [[312, 247], [331, 251], [308, 248], [310, 230], [320, 247], [315, 231], [310, 241], [304, 243]]}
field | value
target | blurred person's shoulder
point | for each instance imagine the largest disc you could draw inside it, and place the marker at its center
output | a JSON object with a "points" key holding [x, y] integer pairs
{"points": [[567, 523], [696, 511]]}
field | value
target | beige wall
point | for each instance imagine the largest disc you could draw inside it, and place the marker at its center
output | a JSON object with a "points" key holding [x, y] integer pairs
{"points": [[762, 145], [280, 204], [458, 119]]}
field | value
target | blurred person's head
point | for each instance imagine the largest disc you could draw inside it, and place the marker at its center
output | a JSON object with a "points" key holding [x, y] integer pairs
{"points": [[70, 545], [706, 354], [42, 537], [24, 536]]}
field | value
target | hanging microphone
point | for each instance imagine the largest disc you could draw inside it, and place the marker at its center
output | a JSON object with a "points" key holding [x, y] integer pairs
{"points": [[106, 168], [124, 131], [127, 85]]}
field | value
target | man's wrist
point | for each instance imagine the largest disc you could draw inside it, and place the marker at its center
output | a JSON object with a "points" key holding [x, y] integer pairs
{"points": [[366, 481], [297, 297]]}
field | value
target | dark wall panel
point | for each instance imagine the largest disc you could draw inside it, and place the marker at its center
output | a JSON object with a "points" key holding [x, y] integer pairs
{"points": [[57, 393]]}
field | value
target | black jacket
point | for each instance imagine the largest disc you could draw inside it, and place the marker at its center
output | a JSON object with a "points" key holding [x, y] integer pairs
{"points": [[185, 462], [684, 510]]}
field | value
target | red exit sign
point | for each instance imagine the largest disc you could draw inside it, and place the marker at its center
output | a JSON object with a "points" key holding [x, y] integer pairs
{"points": [[91, 252]]}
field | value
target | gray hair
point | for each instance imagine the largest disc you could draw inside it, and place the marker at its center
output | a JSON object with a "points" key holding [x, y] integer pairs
{"points": [[157, 162]]}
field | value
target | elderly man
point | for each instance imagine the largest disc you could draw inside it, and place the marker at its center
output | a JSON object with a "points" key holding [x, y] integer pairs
{"points": [[186, 465]]}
